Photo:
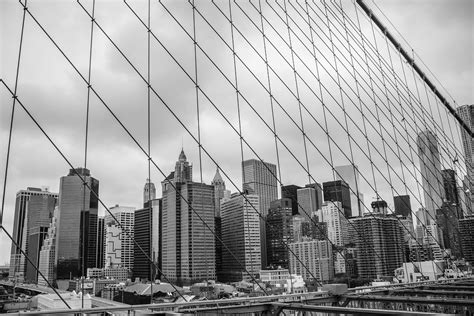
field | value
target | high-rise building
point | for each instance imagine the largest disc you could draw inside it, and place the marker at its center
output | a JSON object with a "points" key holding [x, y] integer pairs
{"points": [[466, 112], [219, 193], [197, 237], [309, 200], [76, 242], [33, 212], [450, 187], [260, 178], [149, 191], [402, 205], [337, 223], [350, 175], [241, 236], [119, 234], [99, 263], [279, 232], [338, 191], [431, 177], [448, 221], [188, 226], [147, 234], [337, 227], [315, 260], [291, 192], [48, 253], [308, 228], [379, 243], [466, 232]]}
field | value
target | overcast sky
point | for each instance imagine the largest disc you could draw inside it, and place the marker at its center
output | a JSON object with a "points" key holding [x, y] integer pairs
{"points": [[440, 31]]}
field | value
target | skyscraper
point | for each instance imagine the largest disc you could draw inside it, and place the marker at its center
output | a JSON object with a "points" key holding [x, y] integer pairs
{"points": [[147, 245], [100, 242], [432, 179], [338, 191], [291, 192], [260, 178], [313, 259], [402, 205], [188, 242], [119, 249], [466, 112], [309, 200], [379, 244], [219, 193], [76, 242], [33, 212], [48, 253], [450, 186], [279, 232], [337, 230], [241, 235], [350, 175], [466, 234], [149, 191]]}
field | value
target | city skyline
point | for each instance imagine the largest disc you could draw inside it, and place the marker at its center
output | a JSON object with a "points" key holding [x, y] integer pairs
{"points": [[114, 193]]}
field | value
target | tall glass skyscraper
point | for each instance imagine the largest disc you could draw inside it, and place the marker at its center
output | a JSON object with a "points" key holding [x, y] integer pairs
{"points": [[431, 176], [260, 178], [33, 211], [350, 174], [466, 112], [76, 242]]}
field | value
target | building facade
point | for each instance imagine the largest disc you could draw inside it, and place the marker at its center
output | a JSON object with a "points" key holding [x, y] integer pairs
{"points": [[76, 242], [315, 260], [260, 178], [279, 232], [431, 176], [466, 112], [402, 205], [338, 191], [241, 235], [350, 175], [119, 234], [380, 246], [33, 212], [188, 226]]}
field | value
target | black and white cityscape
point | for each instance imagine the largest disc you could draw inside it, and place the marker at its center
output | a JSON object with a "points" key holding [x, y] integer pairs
{"points": [[258, 157]]}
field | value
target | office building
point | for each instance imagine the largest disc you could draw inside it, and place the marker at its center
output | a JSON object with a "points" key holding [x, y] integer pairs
{"points": [[279, 232], [291, 192], [47, 255], [338, 191], [149, 191], [431, 176], [146, 251], [466, 234], [309, 200], [241, 234], [402, 205], [100, 242], [260, 178], [188, 226], [315, 260], [33, 211], [337, 224], [76, 242], [448, 222], [350, 175], [466, 112], [219, 193], [304, 228], [119, 234], [379, 244]]}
